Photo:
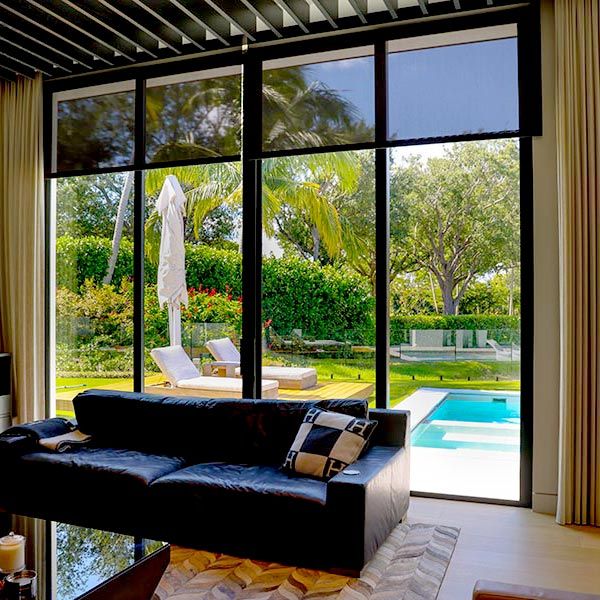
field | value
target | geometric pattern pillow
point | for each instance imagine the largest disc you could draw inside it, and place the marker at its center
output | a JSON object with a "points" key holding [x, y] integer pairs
{"points": [[326, 443]]}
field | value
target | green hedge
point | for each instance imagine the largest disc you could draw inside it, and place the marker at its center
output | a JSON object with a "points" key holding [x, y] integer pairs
{"points": [[297, 294], [505, 328]]}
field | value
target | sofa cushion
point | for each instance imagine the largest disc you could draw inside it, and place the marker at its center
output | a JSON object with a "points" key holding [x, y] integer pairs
{"points": [[242, 510], [99, 470], [327, 443], [205, 483]]}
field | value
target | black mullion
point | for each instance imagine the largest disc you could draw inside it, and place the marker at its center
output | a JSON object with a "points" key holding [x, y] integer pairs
{"points": [[138, 237], [382, 231], [48, 351], [252, 227], [527, 320], [530, 72]]}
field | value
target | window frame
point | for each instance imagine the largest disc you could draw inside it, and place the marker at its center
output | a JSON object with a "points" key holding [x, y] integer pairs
{"points": [[526, 19]]}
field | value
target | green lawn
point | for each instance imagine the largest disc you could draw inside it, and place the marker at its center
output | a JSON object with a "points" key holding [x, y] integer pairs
{"points": [[475, 375]]}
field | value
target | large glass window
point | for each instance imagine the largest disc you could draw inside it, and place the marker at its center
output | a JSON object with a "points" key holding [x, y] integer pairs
{"points": [[319, 100], [191, 117], [212, 284], [452, 90], [319, 275], [455, 314], [95, 131], [454, 247], [93, 287]]}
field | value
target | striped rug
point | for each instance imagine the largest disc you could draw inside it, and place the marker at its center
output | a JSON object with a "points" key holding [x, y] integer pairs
{"points": [[410, 565]]}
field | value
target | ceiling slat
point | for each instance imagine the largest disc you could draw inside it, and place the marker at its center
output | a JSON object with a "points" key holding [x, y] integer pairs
{"points": [[88, 14], [235, 23], [7, 75], [360, 8], [71, 37], [36, 23], [70, 23], [259, 15], [391, 9], [18, 59], [159, 39], [12, 65], [199, 21], [58, 49], [293, 14], [167, 23], [19, 48], [328, 16]]}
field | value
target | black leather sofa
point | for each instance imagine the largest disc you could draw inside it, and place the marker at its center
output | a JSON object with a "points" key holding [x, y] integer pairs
{"points": [[206, 474]]}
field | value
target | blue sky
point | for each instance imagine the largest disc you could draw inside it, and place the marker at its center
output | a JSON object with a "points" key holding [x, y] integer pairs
{"points": [[441, 91]]}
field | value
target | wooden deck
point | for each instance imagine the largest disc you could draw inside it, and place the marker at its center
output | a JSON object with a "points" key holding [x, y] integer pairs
{"points": [[336, 390], [155, 384]]}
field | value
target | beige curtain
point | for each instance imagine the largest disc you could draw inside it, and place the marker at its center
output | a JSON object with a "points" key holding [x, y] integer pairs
{"points": [[22, 242], [578, 150]]}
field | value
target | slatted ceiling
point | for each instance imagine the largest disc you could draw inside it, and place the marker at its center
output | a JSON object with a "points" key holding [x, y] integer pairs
{"points": [[63, 37]]}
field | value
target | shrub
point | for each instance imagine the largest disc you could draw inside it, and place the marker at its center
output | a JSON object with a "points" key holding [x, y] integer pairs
{"points": [[324, 302], [504, 327], [86, 258]]}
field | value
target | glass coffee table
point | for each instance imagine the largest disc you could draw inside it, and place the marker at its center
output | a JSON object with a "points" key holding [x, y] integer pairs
{"points": [[77, 563]]}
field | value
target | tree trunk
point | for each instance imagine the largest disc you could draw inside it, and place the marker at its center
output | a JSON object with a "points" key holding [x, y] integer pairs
{"points": [[316, 243], [118, 232], [450, 303]]}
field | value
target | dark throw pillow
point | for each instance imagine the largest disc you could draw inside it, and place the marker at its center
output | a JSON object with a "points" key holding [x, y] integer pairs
{"points": [[326, 443]]}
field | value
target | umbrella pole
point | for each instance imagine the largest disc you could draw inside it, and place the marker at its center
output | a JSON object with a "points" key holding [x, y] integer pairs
{"points": [[174, 324]]}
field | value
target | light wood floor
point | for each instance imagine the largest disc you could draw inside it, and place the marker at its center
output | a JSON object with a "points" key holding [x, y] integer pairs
{"points": [[513, 545]]}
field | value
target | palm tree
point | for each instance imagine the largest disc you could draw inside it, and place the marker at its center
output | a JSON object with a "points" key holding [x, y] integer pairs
{"points": [[300, 182], [296, 114]]}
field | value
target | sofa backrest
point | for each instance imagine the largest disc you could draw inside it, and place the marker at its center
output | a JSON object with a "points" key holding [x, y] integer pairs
{"points": [[199, 429]]}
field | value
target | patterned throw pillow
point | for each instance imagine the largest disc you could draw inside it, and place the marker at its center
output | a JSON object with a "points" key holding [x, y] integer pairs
{"points": [[326, 443]]}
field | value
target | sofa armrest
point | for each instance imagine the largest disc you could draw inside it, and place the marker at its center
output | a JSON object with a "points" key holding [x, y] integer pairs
{"points": [[393, 427], [494, 590], [374, 500]]}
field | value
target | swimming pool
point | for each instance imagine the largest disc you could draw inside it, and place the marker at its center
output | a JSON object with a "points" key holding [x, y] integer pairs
{"points": [[472, 421]]}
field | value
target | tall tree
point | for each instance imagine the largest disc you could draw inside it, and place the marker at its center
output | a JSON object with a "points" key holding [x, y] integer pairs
{"points": [[464, 214]]}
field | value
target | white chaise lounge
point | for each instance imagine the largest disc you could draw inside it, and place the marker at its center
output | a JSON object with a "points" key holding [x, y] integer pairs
{"points": [[185, 379], [227, 357]]}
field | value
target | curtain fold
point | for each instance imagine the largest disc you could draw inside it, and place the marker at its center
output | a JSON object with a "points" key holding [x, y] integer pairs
{"points": [[577, 24], [22, 262]]}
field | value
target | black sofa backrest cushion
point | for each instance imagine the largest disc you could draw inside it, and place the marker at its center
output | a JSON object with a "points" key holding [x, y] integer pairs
{"points": [[199, 429]]}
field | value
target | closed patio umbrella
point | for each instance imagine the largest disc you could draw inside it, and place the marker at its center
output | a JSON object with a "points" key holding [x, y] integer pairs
{"points": [[171, 284]]}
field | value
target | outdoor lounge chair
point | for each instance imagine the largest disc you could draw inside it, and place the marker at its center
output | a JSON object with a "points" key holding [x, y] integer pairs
{"points": [[183, 376], [227, 357], [505, 353]]}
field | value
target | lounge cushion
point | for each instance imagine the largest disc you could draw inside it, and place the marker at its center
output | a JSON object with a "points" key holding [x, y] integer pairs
{"points": [[221, 384], [223, 349], [174, 363]]}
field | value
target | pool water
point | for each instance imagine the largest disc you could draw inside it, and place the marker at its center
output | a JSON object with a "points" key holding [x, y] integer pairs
{"points": [[478, 421]]}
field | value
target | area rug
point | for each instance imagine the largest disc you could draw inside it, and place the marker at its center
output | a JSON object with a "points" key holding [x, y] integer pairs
{"points": [[410, 565]]}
